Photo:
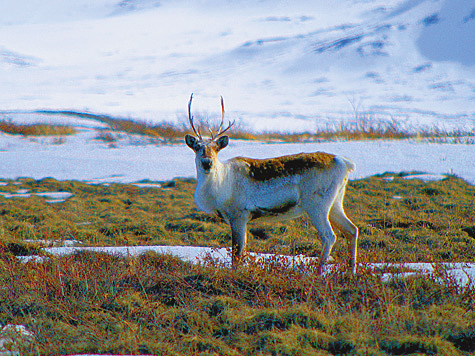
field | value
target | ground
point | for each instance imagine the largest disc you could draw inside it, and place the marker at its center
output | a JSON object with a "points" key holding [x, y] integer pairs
{"points": [[93, 302]]}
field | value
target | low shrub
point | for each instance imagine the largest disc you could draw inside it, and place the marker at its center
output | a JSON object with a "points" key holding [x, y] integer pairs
{"points": [[12, 128], [158, 304]]}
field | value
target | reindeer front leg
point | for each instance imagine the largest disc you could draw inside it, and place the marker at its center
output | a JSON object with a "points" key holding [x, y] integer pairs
{"points": [[238, 232]]}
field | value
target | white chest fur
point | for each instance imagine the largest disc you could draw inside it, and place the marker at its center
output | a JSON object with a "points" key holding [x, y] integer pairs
{"points": [[212, 189]]}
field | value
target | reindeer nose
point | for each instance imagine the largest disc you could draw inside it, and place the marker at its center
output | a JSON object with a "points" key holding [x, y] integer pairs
{"points": [[207, 163]]}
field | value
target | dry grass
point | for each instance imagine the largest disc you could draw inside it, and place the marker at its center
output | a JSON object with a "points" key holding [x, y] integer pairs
{"points": [[9, 127], [91, 302], [399, 219], [367, 129], [95, 303], [360, 128], [164, 131]]}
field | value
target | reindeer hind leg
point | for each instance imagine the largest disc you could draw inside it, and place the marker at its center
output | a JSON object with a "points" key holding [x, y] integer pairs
{"points": [[341, 222], [321, 222]]}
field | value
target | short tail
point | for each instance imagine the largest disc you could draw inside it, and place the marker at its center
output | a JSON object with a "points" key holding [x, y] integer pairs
{"points": [[350, 166]]}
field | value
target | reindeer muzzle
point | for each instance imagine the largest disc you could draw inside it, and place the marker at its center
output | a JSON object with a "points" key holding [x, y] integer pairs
{"points": [[207, 164]]}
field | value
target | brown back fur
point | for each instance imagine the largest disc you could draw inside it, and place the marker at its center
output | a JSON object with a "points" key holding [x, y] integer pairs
{"points": [[266, 169]]}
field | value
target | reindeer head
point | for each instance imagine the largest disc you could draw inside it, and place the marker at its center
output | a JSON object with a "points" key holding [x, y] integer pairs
{"points": [[206, 149]]}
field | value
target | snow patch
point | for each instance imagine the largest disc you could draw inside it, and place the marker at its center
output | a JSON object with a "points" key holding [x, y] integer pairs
{"points": [[426, 177], [12, 337], [51, 197]]}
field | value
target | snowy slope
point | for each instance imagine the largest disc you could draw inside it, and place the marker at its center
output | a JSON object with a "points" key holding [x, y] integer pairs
{"points": [[285, 65]]}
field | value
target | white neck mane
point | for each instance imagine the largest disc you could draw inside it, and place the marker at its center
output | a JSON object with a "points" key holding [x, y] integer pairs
{"points": [[211, 187]]}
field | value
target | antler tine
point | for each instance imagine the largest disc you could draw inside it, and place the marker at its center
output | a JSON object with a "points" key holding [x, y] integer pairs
{"points": [[222, 115], [220, 129], [227, 128], [218, 132], [190, 118], [211, 133]]}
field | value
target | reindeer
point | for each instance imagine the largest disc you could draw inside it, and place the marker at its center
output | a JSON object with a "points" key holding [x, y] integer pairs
{"points": [[244, 189]]}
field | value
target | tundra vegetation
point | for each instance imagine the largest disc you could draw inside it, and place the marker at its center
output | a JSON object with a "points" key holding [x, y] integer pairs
{"points": [[361, 127], [8, 126], [158, 304]]}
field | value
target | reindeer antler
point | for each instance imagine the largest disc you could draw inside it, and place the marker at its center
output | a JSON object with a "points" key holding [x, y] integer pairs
{"points": [[222, 115], [220, 128], [190, 118]]}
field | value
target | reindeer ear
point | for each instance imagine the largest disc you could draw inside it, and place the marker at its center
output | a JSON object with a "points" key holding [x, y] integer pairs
{"points": [[191, 142], [222, 142]]}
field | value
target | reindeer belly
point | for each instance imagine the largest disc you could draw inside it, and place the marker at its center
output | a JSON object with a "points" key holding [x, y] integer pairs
{"points": [[280, 200], [286, 211]]}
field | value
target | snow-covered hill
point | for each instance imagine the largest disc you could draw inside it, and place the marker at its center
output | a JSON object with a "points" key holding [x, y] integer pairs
{"points": [[283, 64]]}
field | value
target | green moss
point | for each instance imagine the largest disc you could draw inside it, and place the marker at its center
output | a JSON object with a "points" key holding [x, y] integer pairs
{"points": [[413, 345], [315, 338], [282, 320]]}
